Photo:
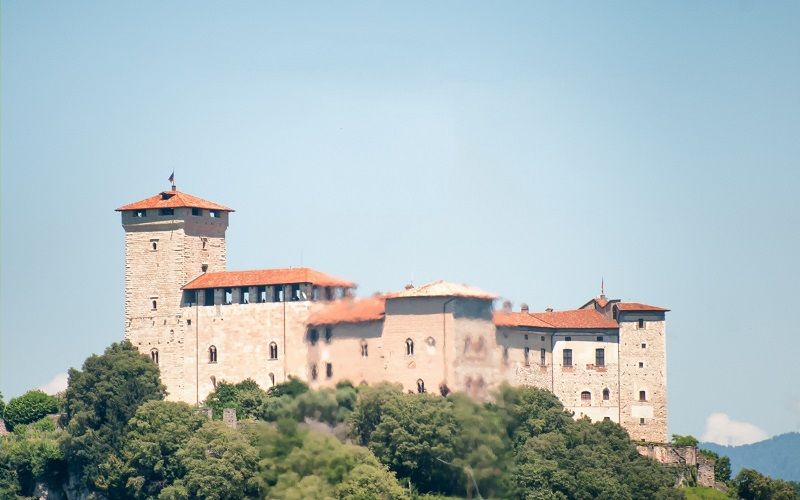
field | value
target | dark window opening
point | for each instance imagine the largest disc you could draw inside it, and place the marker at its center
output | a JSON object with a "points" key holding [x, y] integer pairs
{"points": [[188, 322], [214, 213], [641, 364], [364, 352], [409, 347], [154, 244], [166, 211], [542, 356], [313, 336], [606, 394], [190, 297], [273, 350], [567, 338], [526, 336], [599, 339], [328, 334], [567, 357], [505, 354], [197, 212], [600, 357], [328, 370], [155, 305], [154, 355], [420, 386], [296, 293], [139, 213], [262, 294], [212, 354], [641, 323], [278, 297], [204, 241], [641, 421], [542, 339], [586, 396], [313, 372], [644, 346], [209, 297], [642, 396], [244, 297], [527, 356]]}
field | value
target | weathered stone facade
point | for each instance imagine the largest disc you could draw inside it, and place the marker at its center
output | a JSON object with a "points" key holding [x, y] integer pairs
{"points": [[203, 325]]}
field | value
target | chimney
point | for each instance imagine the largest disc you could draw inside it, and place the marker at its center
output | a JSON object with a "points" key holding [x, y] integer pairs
{"points": [[524, 308], [507, 306]]}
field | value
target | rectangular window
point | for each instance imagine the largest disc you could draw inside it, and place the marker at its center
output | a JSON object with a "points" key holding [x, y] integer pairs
{"points": [[644, 346], [641, 421], [641, 324], [599, 339], [279, 293], [542, 356], [527, 356], [244, 296], [166, 211], [262, 294], [328, 334], [139, 213], [214, 214], [209, 297], [600, 357], [296, 292], [228, 296], [567, 338], [197, 212], [328, 370], [542, 338], [642, 396], [567, 357], [190, 297], [641, 364]]}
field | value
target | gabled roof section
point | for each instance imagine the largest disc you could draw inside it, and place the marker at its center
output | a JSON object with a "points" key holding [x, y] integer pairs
{"points": [[350, 311], [516, 319], [601, 302], [636, 306], [445, 289], [174, 199], [575, 319], [258, 277]]}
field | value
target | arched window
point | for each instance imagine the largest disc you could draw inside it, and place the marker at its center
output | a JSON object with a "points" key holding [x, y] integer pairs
{"points": [[154, 355], [313, 336], [364, 352], [155, 245], [606, 394], [212, 354], [272, 380], [527, 356], [586, 396], [155, 305], [420, 386], [409, 347], [273, 350], [314, 372]]}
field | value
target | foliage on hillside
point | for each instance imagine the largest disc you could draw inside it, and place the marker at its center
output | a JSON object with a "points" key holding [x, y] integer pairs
{"points": [[122, 440], [28, 408], [777, 457]]}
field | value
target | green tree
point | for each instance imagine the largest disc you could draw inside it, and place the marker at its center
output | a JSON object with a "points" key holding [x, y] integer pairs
{"points": [[30, 407], [99, 401], [219, 463], [687, 440], [2, 405], [246, 397], [294, 387], [148, 461], [751, 485], [29, 455]]}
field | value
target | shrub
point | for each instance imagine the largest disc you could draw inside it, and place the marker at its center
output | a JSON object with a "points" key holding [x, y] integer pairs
{"points": [[29, 407]]}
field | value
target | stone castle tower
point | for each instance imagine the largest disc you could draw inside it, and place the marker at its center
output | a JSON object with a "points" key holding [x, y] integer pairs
{"points": [[170, 239]]}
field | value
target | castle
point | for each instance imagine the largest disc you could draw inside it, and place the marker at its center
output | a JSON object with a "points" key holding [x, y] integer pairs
{"points": [[203, 324]]}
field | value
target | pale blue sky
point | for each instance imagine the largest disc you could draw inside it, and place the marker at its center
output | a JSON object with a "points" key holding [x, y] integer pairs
{"points": [[526, 148]]}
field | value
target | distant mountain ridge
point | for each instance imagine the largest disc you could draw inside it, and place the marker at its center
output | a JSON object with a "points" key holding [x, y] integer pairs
{"points": [[777, 457]]}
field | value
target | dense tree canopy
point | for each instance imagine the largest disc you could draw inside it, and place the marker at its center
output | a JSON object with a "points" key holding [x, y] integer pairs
{"points": [[99, 401], [30, 407]]}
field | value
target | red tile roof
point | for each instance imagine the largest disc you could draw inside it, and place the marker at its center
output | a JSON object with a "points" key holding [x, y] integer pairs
{"points": [[350, 311], [572, 319], [636, 306], [174, 199], [445, 289], [228, 279]]}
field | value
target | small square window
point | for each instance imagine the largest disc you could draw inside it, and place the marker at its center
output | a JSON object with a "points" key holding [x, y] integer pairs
{"points": [[526, 336], [567, 338], [644, 346], [166, 211], [641, 421], [542, 338], [213, 213], [599, 339], [197, 212], [641, 364]]}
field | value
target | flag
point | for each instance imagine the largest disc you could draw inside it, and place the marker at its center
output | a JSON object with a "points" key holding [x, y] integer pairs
{"points": [[172, 177]]}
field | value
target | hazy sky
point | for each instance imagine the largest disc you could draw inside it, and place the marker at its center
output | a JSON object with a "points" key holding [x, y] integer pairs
{"points": [[525, 148]]}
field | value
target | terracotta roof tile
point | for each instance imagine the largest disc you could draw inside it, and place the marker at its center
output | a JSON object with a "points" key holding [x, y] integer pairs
{"points": [[174, 199], [636, 306], [572, 319], [445, 289], [350, 311], [227, 279]]}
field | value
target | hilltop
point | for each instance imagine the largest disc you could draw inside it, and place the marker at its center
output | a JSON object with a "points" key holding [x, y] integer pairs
{"points": [[778, 456]]}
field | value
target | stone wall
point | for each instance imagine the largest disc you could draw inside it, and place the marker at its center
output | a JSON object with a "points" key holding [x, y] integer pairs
{"points": [[681, 455]]}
